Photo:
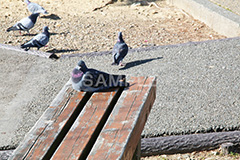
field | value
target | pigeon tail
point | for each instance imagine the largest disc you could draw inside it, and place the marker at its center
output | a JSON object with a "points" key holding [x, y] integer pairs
{"points": [[44, 12], [25, 47], [13, 28]]}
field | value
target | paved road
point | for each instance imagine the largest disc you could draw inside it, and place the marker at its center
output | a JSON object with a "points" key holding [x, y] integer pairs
{"points": [[198, 87]]}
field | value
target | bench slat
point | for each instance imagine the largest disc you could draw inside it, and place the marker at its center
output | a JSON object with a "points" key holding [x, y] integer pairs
{"points": [[52, 131], [49, 116], [48, 137], [83, 130], [124, 126]]}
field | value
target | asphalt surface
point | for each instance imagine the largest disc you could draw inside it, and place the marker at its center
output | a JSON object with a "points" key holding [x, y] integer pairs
{"points": [[198, 87]]}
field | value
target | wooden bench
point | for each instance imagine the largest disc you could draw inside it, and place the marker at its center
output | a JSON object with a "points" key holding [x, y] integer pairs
{"points": [[82, 125]]}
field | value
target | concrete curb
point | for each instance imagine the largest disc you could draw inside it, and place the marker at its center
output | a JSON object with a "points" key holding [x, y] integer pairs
{"points": [[219, 19]]}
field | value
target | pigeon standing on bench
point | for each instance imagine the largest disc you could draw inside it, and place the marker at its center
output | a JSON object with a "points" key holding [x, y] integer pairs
{"points": [[120, 50], [35, 8], [38, 41], [91, 80], [24, 24]]}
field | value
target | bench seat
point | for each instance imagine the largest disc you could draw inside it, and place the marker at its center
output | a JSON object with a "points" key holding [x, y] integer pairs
{"points": [[100, 125]]}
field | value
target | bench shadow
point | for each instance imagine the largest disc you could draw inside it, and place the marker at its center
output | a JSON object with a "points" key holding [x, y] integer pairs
{"points": [[51, 16], [138, 62], [52, 33]]}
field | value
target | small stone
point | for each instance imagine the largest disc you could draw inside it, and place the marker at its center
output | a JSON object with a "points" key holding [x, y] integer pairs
{"points": [[215, 153], [227, 148], [154, 12]]}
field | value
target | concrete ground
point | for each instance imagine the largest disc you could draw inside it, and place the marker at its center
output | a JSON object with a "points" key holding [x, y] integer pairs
{"points": [[198, 87]]}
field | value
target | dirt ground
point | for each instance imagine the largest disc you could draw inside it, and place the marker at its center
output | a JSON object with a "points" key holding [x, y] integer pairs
{"points": [[204, 155], [76, 28]]}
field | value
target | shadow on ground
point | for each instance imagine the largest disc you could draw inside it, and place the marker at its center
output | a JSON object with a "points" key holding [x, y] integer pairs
{"points": [[138, 62], [143, 3], [61, 50], [51, 16]]}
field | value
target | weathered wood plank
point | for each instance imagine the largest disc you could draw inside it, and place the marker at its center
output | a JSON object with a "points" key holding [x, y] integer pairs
{"points": [[47, 138], [48, 116], [43, 136], [75, 144], [121, 134]]}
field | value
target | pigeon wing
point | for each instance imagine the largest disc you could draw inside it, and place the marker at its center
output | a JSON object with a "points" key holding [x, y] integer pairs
{"points": [[39, 41], [42, 39], [23, 24], [120, 50], [26, 23]]}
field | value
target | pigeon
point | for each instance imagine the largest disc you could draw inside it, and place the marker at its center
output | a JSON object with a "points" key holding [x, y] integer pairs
{"points": [[24, 24], [92, 80], [35, 8], [38, 41], [120, 50]]}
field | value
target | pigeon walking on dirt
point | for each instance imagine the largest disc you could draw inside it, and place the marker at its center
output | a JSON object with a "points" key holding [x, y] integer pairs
{"points": [[91, 80], [35, 8], [120, 50], [24, 24], [38, 41]]}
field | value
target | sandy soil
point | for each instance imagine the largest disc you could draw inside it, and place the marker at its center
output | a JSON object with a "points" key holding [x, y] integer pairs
{"points": [[76, 28], [204, 155]]}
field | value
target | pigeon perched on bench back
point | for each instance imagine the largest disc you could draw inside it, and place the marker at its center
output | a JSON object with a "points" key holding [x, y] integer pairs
{"points": [[35, 8], [120, 50], [38, 41], [91, 80], [24, 24]]}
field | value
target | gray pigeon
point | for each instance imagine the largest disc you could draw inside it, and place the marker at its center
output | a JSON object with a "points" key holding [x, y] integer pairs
{"points": [[120, 50], [38, 41], [35, 8], [24, 24], [91, 80]]}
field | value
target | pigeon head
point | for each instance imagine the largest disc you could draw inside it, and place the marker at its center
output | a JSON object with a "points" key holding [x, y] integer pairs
{"points": [[45, 29], [120, 39], [27, 1], [82, 66]]}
